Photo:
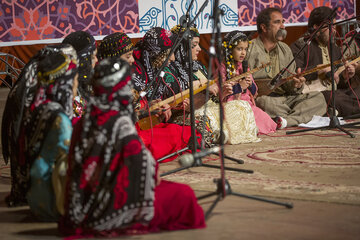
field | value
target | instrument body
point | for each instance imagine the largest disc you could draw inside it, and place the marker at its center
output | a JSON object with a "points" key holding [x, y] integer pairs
{"points": [[146, 123], [263, 84]]}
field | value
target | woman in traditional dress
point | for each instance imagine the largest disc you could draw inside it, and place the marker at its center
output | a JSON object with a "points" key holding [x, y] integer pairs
{"points": [[16, 109], [85, 46], [164, 138], [177, 80], [235, 47], [239, 120], [47, 135], [113, 187]]}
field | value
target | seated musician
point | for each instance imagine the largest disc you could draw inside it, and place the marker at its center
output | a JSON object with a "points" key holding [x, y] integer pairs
{"points": [[235, 46], [17, 108], [239, 131], [286, 105], [112, 183], [163, 138], [47, 134], [85, 46], [318, 49]]}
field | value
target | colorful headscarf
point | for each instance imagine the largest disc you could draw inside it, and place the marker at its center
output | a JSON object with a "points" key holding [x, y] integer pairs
{"points": [[156, 43], [231, 40], [85, 46], [18, 103], [114, 45], [56, 74], [180, 66], [111, 173]]}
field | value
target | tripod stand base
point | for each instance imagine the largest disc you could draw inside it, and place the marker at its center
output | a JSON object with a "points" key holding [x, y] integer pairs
{"points": [[225, 189], [199, 163], [334, 123]]}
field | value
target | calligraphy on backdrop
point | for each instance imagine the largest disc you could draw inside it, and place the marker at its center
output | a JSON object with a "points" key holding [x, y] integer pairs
{"points": [[37, 21]]}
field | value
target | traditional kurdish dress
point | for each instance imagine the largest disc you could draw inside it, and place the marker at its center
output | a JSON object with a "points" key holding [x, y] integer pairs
{"points": [[239, 121], [149, 53], [263, 121], [230, 69], [85, 46], [112, 186], [17, 108], [47, 135]]}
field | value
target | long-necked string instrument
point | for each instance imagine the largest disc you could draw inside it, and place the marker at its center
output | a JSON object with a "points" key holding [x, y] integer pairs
{"points": [[264, 89], [145, 123]]}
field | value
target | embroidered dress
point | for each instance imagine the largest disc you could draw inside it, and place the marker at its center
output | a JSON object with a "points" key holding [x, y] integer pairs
{"points": [[47, 133], [263, 121], [239, 121], [41, 196], [230, 69], [150, 52], [17, 107], [85, 46], [111, 187]]}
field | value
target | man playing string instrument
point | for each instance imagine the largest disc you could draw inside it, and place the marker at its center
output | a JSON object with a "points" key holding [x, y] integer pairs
{"points": [[286, 104], [317, 53]]}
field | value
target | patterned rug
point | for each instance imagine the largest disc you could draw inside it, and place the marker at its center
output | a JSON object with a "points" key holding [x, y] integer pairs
{"points": [[321, 165]]}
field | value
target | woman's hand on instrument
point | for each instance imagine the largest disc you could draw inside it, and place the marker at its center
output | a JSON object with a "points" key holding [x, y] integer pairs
{"points": [[164, 110], [214, 89], [186, 103]]}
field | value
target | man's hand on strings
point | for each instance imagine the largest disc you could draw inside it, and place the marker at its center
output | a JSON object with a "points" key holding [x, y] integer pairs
{"points": [[298, 81], [326, 71], [349, 70]]}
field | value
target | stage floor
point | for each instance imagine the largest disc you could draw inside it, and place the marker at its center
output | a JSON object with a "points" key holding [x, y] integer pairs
{"points": [[323, 184]]}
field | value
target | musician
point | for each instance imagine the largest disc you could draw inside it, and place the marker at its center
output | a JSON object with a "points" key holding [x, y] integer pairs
{"points": [[286, 104], [163, 138], [240, 127], [85, 46], [235, 47], [177, 80], [118, 44], [113, 188], [318, 49], [354, 47]]}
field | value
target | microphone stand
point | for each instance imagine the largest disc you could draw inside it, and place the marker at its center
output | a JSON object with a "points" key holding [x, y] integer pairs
{"points": [[334, 120], [222, 184], [193, 144]]}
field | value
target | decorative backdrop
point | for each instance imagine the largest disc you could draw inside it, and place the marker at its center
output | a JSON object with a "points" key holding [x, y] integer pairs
{"points": [[31, 21]]}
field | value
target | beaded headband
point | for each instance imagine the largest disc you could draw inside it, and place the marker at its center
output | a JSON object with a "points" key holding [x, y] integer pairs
{"points": [[179, 29], [231, 40], [49, 76]]}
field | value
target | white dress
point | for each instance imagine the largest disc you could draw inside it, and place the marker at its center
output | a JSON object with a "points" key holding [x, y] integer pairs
{"points": [[239, 121]]}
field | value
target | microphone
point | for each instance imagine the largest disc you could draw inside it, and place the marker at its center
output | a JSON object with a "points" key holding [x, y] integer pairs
{"points": [[245, 66], [187, 160], [275, 80]]}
